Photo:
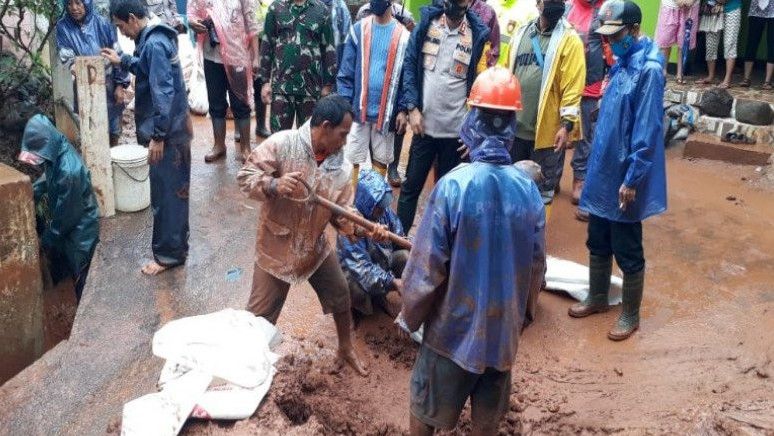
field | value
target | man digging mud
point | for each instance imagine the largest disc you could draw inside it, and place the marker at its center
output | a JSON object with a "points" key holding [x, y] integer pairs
{"points": [[291, 245], [478, 258]]}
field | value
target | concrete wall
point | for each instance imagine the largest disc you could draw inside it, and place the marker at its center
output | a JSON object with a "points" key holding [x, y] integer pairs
{"points": [[21, 286]]}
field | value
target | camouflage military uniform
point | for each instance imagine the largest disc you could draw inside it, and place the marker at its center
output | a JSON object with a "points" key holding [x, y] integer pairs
{"points": [[298, 58]]}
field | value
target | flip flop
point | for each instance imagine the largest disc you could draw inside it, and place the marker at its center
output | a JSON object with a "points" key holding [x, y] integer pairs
{"points": [[745, 83], [705, 82], [767, 86]]}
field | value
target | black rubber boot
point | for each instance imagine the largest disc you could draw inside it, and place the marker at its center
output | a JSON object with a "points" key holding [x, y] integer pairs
{"points": [[243, 128], [629, 320], [260, 119], [219, 141], [393, 177], [600, 268]]}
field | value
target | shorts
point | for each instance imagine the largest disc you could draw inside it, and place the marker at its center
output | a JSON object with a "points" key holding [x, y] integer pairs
{"points": [[366, 138], [268, 293], [440, 388], [671, 26]]}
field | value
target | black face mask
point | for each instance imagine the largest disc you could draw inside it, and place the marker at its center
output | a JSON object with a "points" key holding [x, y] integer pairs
{"points": [[453, 10], [552, 12], [378, 7]]}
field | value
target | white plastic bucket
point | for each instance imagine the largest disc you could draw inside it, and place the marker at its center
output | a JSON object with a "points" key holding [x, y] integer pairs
{"points": [[130, 177]]}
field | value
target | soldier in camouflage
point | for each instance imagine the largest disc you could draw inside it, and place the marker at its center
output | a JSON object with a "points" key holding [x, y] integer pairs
{"points": [[298, 60]]}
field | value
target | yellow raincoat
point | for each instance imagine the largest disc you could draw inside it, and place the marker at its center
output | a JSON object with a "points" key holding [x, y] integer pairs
{"points": [[562, 84]]}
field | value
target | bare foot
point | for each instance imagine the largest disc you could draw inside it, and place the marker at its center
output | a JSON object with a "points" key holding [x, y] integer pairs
{"points": [[152, 268], [349, 356], [706, 81], [724, 85]]}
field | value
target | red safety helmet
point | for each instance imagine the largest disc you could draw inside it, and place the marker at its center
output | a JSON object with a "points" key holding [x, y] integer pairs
{"points": [[496, 88]]}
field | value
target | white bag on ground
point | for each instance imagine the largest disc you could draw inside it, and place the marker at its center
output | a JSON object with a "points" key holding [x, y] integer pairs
{"points": [[230, 344], [571, 278], [165, 412]]}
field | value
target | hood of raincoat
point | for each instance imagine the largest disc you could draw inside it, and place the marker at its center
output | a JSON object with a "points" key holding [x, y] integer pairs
{"points": [[372, 191], [42, 138], [87, 4], [489, 135]]}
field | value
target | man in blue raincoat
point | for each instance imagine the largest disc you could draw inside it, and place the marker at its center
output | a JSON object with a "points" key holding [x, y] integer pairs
{"points": [[373, 269], [83, 32], [478, 258], [626, 179], [163, 123], [71, 230]]}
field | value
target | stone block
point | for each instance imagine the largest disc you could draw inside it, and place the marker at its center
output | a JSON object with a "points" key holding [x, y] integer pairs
{"points": [[716, 102], [710, 147], [21, 284], [674, 96], [707, 124], [692, 98], [754, 112]]}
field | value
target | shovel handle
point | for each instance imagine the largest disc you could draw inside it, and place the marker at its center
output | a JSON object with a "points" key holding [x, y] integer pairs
{"points": [[355, 218]]}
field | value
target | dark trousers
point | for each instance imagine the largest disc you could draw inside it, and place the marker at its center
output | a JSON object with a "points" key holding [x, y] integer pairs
{"points": [[217, 86], [169, 181], [755, 28], [424, 150], [622, 240], [260, 106]]}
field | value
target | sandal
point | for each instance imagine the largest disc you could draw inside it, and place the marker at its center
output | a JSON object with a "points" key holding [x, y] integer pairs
{"points": [[767, 86], [745, 83], [705, 82]]}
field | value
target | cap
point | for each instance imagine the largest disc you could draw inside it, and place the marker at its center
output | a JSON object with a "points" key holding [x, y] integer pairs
{"points": [[617, 14]]}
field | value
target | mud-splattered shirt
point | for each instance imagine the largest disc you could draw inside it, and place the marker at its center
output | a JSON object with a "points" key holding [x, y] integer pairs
{"points": [[298, 56], [291, 243]]}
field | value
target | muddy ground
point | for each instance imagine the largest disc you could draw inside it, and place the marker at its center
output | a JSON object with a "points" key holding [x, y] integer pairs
{"points": [[700, 364]]}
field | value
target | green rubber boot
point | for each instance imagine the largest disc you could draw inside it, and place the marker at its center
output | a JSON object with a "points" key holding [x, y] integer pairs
{"points": [[629, 320], [600, 268]]}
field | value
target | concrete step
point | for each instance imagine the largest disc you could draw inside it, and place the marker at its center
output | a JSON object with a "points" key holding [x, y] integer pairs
{"points": [[704, 146]]}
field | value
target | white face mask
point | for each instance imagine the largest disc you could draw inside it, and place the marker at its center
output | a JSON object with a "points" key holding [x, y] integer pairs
{"points": [[30, 158], [763, 4]]}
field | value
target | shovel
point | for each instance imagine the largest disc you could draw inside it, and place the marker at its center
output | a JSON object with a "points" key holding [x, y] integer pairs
{"points": [[344, 213]]}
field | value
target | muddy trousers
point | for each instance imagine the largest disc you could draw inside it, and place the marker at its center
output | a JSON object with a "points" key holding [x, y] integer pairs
{"points": [[582, 149], [363, 301], [623, 240], [288, 108], [169, 181], [219, 85], [269, 293]]}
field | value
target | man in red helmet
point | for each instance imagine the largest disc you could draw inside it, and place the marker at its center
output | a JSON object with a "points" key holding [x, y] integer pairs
{"points": [[476, 266]]}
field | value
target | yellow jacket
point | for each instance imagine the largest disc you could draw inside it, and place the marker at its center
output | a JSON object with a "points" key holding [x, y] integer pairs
{"points": [[562, 84]]}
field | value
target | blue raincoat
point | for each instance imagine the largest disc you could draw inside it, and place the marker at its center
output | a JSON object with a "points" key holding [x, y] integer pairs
{"points": [[478, 258], [87, 39], [73, 232], [629, 146], [161, 113], [366, 261]]}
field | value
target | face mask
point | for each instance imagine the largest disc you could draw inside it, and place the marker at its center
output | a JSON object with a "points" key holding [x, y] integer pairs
{"points": [[30, 158], [378, 7], [620, 48], [453, 10], [552, 12]]}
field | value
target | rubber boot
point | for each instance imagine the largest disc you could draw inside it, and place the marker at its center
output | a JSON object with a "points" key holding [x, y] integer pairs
{"points": [[379, 167], [260, 119], [577, 188], [629, 320], [355, 175], [600, 268], [243, 128], [393, 177], [219, 141]]}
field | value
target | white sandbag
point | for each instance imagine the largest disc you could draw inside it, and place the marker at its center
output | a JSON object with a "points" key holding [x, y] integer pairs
{"points": [[230, 344], [197, 91], [229, 401], [571, 278], [165, 412], [188, 57]]}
